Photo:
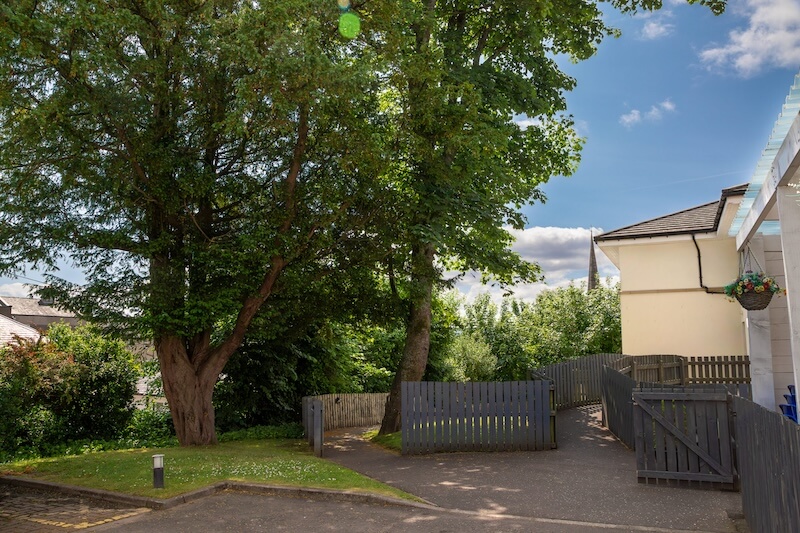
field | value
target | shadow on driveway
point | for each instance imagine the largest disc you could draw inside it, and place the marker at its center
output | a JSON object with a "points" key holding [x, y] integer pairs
{"points": [[590, 479]]}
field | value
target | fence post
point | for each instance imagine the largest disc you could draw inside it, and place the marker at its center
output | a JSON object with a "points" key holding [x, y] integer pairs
{"points": [[634, 375], [316, 408], [660, 370]]}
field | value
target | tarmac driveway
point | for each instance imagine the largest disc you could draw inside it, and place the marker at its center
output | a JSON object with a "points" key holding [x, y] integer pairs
{"points": [[590, 479]]}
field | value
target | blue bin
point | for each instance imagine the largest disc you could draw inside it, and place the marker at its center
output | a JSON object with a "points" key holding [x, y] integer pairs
{"points": [[789, 411]]}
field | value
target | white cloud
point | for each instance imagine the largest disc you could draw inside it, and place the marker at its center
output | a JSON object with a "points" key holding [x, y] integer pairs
{"points": [[667, 105], [582, 128], [563, 254], [656, 24], [656, 29], [771, 39], [524, 121], [654, 114], [629, 119], [14, 289]]}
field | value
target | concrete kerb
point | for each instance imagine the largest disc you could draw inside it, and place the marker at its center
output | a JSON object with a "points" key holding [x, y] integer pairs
{"points": [[161, 504]]}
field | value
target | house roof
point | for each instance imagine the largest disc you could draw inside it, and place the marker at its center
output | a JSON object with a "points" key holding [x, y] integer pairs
{"points": [[10, 329], [701, 219], [32, 307]]}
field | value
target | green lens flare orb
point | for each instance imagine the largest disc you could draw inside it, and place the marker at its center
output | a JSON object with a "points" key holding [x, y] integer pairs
{"points": [[349, 25]]}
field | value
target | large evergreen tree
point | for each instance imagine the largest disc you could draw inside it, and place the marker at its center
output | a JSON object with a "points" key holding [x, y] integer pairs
{"points": [[187, 154]]}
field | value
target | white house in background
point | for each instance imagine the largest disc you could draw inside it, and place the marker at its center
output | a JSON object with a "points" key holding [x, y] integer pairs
{"points": [[673, 268], [11, 330]]}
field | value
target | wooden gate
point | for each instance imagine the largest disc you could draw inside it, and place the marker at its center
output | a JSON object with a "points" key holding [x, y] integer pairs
{"points": [[685, 437]]}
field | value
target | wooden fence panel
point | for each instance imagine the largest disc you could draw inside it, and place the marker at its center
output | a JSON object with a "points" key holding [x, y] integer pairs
{"points": [[618, 405], [577, 381], [662, 436], [347, 410], [478, 416], [768, 453]]}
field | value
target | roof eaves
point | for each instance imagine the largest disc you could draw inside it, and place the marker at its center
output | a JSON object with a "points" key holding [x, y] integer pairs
{"points": [[610, 235]]}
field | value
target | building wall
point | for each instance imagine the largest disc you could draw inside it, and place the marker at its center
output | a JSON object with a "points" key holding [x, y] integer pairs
{"points": [[664, 309], [41, 322]]}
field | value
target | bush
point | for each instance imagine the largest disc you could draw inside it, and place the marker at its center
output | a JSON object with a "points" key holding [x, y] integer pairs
{"points": [[282, 431], [152, 424], [77, 385]]}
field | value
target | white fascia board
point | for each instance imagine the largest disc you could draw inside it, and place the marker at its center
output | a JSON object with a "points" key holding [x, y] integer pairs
{"points": [[784, 166], [728, 214], [663, 239]]}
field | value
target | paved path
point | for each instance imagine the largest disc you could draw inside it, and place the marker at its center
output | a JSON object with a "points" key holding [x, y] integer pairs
{"points": [[24, 510], [589, 479]]}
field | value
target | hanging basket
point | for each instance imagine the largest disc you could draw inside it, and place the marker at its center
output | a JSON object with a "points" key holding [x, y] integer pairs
{"points": [[754, 301]]}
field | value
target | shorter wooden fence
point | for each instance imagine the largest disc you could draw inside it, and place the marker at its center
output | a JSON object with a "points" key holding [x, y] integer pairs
{"points": [[577, 381], [768, 451], [477, 416], [680, 370], [346, 410]]}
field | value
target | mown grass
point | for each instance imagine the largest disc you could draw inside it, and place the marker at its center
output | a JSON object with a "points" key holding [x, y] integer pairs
{"points": [[286, 462], [391, 441]]}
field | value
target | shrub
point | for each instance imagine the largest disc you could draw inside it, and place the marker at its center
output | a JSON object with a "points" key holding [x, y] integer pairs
{"points": [[76, 385]]}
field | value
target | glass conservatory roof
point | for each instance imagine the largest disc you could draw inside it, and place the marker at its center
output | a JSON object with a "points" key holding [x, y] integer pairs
{"points": [[790, 110]]}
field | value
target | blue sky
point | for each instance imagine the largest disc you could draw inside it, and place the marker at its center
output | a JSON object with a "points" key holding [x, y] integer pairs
{"points": [[669, 119], [676, 109], [673, 111]]}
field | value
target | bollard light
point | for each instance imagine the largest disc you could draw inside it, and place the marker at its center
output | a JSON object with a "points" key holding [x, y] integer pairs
{"points": [[158, 471]]}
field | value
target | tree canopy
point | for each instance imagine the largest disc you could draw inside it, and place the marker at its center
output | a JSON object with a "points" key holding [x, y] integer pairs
{"points": [[196, 158]]}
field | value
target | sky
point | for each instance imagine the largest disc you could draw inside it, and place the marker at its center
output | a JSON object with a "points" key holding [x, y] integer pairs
{"points": [[673, 111]]}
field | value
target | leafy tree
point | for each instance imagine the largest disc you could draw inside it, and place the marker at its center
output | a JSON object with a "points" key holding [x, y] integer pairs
{"points": [[195, 158], [470, 358], [504, 332], [462, 70], [571, 321]]}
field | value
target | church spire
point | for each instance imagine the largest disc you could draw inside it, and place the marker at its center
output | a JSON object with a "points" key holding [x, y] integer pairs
{"points": [[593, 275]]}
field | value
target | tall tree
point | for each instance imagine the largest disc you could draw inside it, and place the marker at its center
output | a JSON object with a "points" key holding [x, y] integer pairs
{"points": [[189, 155], [462, 71]]}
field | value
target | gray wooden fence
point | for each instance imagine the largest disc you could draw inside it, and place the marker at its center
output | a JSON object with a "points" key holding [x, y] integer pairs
{"points": [[768, 451], [685, 436], [681, 370], [618, 405], [477, 416], [618, 387], [347, 410], [577, 381]]}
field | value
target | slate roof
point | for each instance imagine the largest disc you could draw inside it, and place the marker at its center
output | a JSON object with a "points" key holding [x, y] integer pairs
{"points": [[32, 307], [701, 219], [10, 329]]}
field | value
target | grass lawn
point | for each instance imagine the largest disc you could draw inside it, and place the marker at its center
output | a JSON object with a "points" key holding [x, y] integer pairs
{"points": [[274, 462], [392, 441]]}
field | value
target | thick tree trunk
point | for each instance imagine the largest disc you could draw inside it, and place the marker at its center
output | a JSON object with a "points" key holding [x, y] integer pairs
{"points": [[418, 334], [188, 391]]}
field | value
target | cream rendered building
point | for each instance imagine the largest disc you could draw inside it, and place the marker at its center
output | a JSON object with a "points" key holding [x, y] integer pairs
{"points": [[673, 269]]}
